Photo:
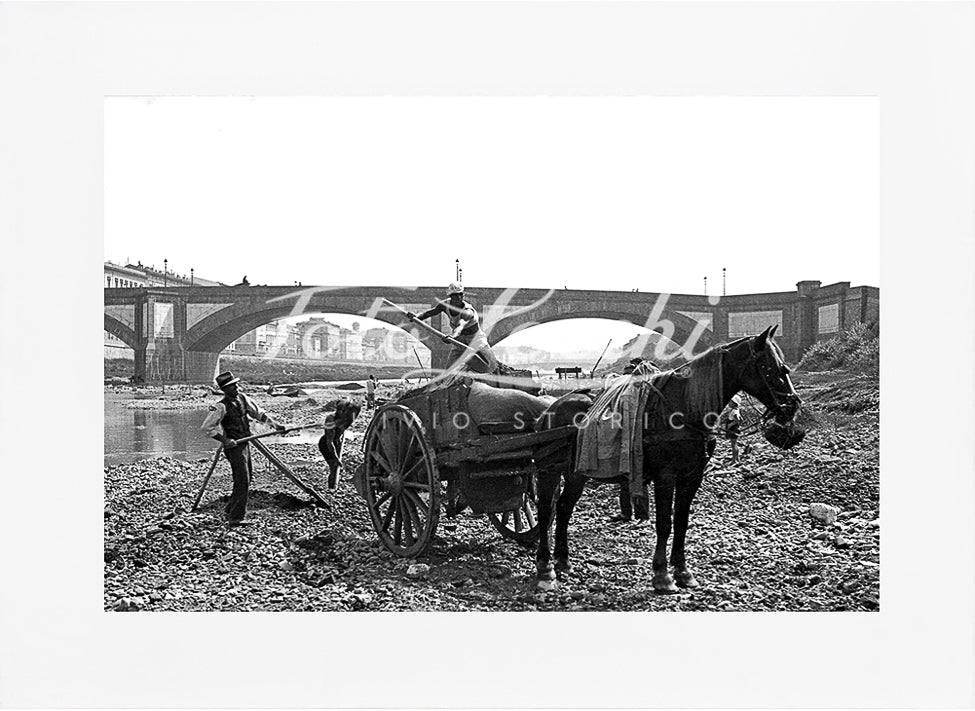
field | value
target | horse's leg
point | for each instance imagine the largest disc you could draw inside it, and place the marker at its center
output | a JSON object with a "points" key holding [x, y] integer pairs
{"points": [[574, 484], [548, 492], [663, 490], [687, 486]]}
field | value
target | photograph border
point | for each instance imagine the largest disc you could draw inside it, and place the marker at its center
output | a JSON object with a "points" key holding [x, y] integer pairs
{"points": [[59, 649]]}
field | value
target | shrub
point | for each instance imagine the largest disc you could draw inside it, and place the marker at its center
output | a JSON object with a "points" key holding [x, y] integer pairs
{"points": [[857, 348]]}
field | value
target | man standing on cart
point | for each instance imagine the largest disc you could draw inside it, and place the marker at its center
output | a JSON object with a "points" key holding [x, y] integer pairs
{"points": [[465, 327]]}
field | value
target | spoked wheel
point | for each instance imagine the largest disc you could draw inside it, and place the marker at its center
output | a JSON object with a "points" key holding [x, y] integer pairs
{"points": [[402, 483], [520, 524]]}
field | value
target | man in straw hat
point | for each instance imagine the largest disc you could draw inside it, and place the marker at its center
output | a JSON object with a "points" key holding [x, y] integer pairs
{"points": [[466, 328], [227, 421]]}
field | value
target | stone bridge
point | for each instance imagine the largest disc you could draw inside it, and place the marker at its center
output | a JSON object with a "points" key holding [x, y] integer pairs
{"points": [[178, 333]]}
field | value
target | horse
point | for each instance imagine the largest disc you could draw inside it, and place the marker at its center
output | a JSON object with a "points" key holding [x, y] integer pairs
{"points": [[674, 458]]}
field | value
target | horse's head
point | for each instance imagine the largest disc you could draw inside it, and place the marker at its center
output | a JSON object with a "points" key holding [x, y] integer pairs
{"points": [[764, 375]]}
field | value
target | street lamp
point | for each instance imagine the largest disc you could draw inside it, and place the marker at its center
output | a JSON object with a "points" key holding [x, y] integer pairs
{"points": [[165, 272], [191, 276]]}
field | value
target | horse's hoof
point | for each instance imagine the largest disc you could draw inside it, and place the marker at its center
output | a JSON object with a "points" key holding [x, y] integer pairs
{"points": [[547, 585], [685, 579], [562, 566], [546, 572], [664, 585]]}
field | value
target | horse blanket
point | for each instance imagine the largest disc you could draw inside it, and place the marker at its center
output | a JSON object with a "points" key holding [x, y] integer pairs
{"points": [[609, 442]]}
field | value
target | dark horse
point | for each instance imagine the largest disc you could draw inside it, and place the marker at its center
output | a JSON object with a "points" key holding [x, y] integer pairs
{"points": [[674, 458]]}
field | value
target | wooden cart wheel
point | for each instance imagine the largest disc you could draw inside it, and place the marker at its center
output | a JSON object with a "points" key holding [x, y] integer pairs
{"points": [[402, 482], [520, 524]]}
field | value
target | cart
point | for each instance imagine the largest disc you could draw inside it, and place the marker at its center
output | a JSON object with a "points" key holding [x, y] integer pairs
{"points": [[427, 440]]}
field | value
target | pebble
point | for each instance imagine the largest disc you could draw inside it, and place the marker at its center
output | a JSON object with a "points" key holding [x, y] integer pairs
{"points": [[823, 513], [130, 604], [417, 570], [286, 566]]}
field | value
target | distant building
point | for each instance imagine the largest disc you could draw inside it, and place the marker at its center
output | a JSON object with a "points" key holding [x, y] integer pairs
{"points": [[522, 355], [353, 342], [167, 277], [119, 277]]}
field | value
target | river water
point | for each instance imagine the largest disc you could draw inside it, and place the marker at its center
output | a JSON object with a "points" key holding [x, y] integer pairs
{"points": [[134, 434]]}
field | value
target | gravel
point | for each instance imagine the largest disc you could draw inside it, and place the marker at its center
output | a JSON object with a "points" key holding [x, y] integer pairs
{"points": [[753, 543]]}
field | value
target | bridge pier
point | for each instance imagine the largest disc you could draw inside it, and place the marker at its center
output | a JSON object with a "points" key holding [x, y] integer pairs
{"points": [[438, 350], [165, 361], [160, 354]]}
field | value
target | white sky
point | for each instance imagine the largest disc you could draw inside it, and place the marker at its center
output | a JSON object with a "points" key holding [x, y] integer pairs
{"points": [[599, 193]]}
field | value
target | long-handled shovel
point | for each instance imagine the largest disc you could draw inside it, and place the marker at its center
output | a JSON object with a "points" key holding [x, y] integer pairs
{"points": [[435, 332], [274, 460]]}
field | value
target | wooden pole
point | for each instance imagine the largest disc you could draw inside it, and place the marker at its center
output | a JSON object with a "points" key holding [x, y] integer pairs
{"points": [[307, 488], [419, 362], [206, 479], [593, 371]]}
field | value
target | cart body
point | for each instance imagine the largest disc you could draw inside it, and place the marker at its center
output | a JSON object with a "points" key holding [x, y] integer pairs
{"points": [[429, 437]]}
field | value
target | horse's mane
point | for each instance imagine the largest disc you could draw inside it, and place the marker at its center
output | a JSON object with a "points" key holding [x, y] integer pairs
{"points": [[703, 384]]}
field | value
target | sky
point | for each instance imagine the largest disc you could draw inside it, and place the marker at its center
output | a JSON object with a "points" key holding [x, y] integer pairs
{"points": [[616, 193]]}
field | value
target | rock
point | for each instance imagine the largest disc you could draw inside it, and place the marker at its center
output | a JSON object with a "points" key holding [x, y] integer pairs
{"points": [[849, 586], [130, 604], [841, 542], [806, 566], [361, 600], [823, 513], [286, 566], [417, 570], [870, 602]]}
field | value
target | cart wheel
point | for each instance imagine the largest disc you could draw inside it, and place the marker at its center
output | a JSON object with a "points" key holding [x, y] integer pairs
{"points": [[520, 524], [402, 483]]}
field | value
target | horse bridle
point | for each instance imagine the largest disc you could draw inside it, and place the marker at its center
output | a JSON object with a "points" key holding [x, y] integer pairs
{"points": [[778, 408]]}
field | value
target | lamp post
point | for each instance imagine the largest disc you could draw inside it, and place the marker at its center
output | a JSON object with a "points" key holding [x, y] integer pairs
{"points": [[191, 276], [165, 272]]}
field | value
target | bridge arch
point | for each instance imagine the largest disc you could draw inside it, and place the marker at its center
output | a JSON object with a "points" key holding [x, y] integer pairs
{"points": [[122, 331], [683, 325], [220, 329]]}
